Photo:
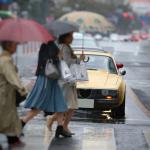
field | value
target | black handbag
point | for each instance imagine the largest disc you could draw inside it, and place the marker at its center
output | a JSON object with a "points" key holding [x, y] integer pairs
{"points": [[19, 98]]}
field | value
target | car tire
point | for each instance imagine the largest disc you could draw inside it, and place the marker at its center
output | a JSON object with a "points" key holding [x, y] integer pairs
{"points": [[119, 112]]}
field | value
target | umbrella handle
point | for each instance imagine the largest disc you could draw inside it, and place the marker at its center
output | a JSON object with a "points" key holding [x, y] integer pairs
{"points": [[88, 58]]}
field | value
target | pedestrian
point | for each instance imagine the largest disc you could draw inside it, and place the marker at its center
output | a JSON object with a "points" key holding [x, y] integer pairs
{"points": [[46, 95], [69, 89], [10, 124]]}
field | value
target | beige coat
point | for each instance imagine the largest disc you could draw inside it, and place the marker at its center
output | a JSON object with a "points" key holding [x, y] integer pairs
{"points": [[69, 90], [9, 82]]}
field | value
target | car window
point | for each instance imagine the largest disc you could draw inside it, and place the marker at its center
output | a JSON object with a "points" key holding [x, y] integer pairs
{"points": [[111, 66], [100, 63]]}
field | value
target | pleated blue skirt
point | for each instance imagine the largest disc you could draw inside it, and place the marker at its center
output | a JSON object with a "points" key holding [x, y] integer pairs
{"points": [[47, 96]]}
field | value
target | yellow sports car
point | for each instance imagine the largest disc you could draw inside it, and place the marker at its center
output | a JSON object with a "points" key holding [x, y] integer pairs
{"points": [[105, 88]]}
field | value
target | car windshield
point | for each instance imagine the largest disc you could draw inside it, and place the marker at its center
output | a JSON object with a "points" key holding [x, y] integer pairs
{"points": [[100, 63], [86, 42]]}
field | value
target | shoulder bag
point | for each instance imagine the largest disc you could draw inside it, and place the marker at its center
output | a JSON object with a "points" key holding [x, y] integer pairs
{"points": [[51, 71]]}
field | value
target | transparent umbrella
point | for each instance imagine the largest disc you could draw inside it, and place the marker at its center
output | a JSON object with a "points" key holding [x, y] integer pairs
{"points": [[58, 28]]}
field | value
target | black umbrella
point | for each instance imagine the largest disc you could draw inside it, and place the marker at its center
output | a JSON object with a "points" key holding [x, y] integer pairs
{"points": [[58, 28]]}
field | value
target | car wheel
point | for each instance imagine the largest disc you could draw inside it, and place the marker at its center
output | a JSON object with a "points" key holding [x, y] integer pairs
{"points": [[119, 112]]}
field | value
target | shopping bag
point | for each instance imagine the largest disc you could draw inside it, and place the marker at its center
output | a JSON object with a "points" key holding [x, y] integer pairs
{"points": [[51, 71], [66, 74], [79, 72]]}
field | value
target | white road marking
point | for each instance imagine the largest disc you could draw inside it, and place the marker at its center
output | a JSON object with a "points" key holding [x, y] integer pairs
{"points": [[95, 139], [147, 136]]}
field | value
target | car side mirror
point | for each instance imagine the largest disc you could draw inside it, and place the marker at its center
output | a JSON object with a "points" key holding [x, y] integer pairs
{"points": [[119, 66], [123, 72]]}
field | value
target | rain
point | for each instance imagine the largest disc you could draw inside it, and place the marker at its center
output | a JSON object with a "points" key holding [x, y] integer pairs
{"points": [[113, 36]]}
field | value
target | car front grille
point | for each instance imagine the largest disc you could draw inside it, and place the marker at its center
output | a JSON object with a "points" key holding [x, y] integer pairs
{"points": [[93, 94]]}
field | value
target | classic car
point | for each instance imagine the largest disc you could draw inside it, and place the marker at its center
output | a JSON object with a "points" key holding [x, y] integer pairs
{"points": [[105, 88]]}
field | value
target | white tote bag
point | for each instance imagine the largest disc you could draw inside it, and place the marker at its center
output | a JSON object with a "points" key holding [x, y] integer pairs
{"points": [[65, 71], [79, 72], [50, 70]]}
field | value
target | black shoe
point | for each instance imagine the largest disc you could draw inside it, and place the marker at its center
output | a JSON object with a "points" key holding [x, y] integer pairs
{"points": [[71, 133], [62, 132], [17, 145], [12, 139]]}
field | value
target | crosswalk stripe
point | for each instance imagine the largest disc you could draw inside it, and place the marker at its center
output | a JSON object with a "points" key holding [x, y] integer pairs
{"points": [[147, 136], [98, 138]]}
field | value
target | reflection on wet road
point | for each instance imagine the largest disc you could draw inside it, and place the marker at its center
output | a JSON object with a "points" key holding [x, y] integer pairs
{"points": [[135, 113], [87, 138]]}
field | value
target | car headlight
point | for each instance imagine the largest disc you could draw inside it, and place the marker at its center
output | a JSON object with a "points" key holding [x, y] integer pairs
{"points": [[105, 92], [112, 93]]}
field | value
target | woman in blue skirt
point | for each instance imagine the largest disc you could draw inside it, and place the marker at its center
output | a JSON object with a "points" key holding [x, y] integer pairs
{"points": [[46, 94]]}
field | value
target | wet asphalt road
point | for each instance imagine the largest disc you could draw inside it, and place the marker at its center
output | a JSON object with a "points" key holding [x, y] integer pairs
{"points": [[97, 131]]}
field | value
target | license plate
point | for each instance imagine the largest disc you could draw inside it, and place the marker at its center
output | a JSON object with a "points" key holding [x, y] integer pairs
{"points": [[86, 103]]}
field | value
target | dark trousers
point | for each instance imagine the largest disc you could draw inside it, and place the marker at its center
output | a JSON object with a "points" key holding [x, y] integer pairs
{"points": [[12, 139]]}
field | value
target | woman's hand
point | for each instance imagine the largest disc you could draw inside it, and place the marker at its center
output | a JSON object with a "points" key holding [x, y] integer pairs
{"points": [[82, 57], [23, 92]]}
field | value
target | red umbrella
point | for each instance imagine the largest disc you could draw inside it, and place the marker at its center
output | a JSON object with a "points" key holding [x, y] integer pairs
{"points": [[23, 30]]}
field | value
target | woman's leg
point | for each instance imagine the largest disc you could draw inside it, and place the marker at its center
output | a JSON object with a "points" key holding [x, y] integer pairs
{"points": [[50, 120], [59, 117], [60, 130], [30, 115], [68, 116]]}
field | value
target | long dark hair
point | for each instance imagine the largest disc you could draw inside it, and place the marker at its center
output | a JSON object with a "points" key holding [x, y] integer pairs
{"points": [[53, 50], [61, 39], [47, 51]]}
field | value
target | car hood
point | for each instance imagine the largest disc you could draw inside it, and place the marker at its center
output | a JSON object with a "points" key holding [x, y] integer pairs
{"points": [[100, 80]]}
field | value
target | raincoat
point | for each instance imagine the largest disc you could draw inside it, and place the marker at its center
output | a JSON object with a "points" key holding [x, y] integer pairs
{"points": [[9, 83]]}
